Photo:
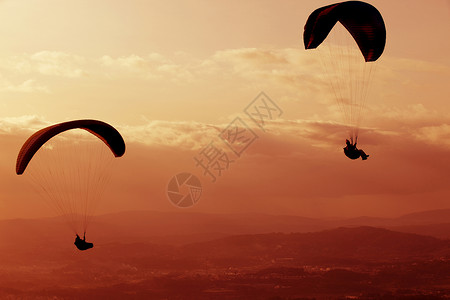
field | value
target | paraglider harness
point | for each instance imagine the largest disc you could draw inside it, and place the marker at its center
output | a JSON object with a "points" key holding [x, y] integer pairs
{"points": [[82, 244], [352, 152]]}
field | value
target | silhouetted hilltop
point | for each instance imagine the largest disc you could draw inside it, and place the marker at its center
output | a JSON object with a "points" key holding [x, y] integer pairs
{"points": [[39, 260], [355, 244], [178, 228], [185, 227], [441, 230], [427, 217], [185, 223]]}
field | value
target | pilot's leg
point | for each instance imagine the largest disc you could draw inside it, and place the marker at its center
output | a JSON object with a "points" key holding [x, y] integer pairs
{"points": [[364, 156]]}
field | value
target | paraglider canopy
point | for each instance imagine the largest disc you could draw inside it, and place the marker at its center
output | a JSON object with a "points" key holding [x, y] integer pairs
{"points": [[108, 134], [362, 20]]}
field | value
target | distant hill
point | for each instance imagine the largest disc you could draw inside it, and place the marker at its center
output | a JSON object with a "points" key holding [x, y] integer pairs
{"points": [[177, 228], [47, 240], [338, 245], [434, 223], [131, 254], [208, 255], [341, 246], [186, 226], [426, 217], [440, 230]]}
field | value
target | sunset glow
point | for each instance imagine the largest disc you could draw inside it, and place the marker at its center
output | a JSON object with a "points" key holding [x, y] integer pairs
{"points": [[166, 79], [170, 76]]}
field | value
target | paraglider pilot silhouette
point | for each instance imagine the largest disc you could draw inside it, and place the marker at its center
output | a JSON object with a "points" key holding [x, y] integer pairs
{"points": [[352, 152], [82, 244], [67, 182]]}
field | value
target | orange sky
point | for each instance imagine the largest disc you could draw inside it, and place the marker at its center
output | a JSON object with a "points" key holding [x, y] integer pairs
{"points": [[167, 75]]}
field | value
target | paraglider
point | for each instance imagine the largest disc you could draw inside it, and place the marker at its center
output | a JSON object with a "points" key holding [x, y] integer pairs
{"points": [[352, 152], [351, 36], [70, 168], [82, 244]]}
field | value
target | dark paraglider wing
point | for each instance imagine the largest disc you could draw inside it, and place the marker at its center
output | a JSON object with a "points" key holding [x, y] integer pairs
{"points": [[362, 20], [108, 134]]}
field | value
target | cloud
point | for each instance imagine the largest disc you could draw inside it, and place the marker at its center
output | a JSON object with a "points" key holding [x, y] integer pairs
{"points": [[129, 62], [414, 122], [286, 66], [150, 67], [289, 73], [58, 64], [414, 65], [292, 69], [22, 124], [186, 135], [296, 74], [28, 86], [292, 166], [183, 134], [324, 134], [439, 134], [48, 63]]}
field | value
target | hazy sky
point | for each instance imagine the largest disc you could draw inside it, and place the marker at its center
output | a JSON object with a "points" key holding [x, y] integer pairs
{"points": [[170, 75]]}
